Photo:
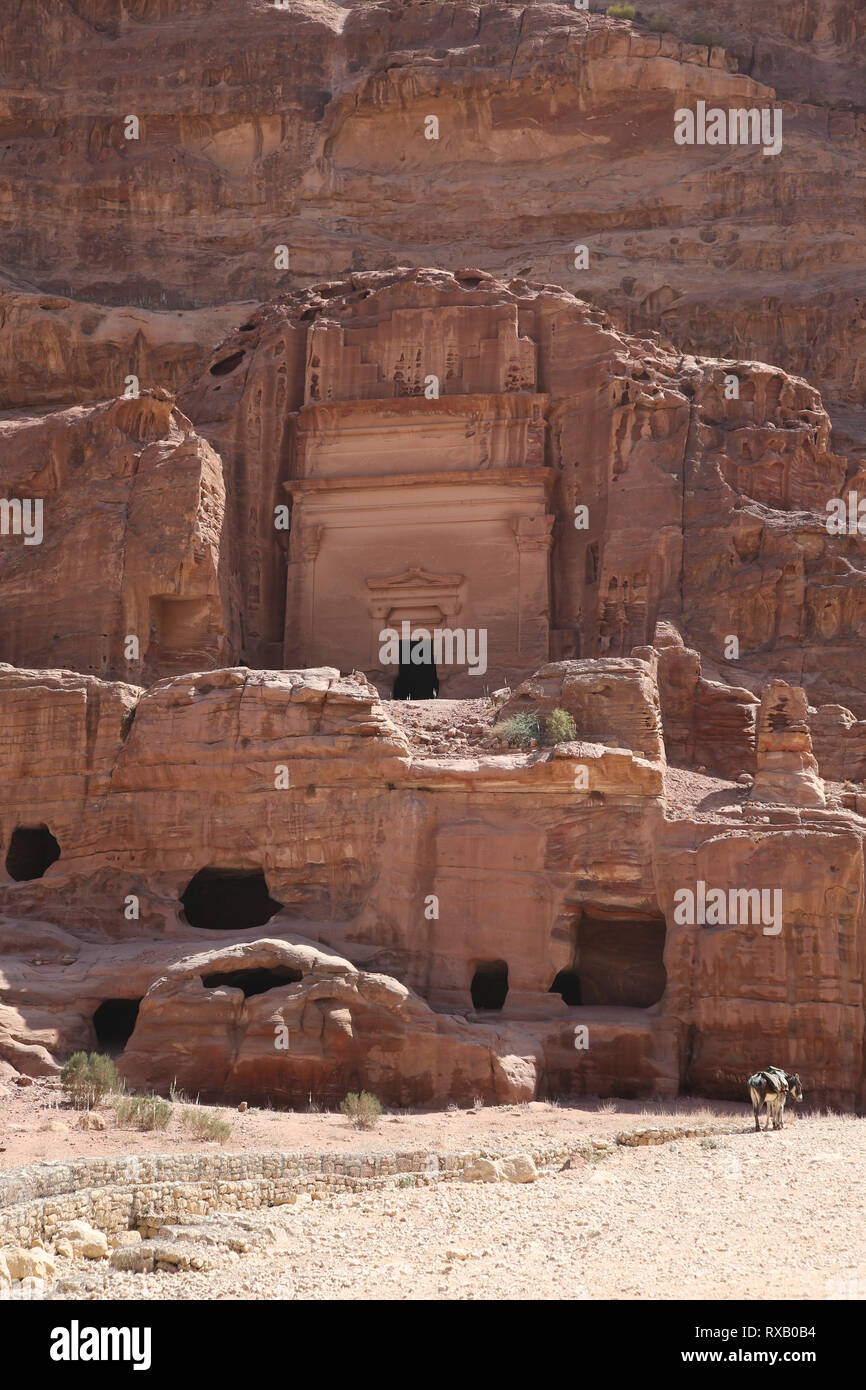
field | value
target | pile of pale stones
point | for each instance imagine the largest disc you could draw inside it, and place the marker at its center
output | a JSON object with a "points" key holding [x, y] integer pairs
{"points": [[208, 1242]]}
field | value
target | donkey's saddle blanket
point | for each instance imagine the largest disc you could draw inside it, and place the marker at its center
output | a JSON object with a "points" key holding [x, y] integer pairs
{"points": [[773, 1078]]}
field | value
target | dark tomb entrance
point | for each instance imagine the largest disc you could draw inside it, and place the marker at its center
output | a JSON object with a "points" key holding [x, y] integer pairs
{"points": [[32, 850], [567, 985], [114, 1022], [619, 960], [490, 984], [417, 678], [228, 900]]}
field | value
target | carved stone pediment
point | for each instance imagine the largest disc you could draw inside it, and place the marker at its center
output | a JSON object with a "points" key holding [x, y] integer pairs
{"points": [[417, 590]]}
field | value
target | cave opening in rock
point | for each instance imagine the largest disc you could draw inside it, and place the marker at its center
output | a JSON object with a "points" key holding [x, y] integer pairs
{"points": [[227, 364], [256, 980], [620, 960], [114, 1022], [490, 984], [32, 850], [228, 900], [567, 984], [417, 678]]}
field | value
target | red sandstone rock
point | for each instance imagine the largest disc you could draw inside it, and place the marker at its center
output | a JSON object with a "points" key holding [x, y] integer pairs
{"points": [[305, 127], [133, 520], [706, 722], [231, 851], [59, 352], [787, 771], [523, 868]]}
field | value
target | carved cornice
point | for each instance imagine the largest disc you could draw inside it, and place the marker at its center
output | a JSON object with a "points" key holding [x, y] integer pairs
{"points": [[415, 588]]}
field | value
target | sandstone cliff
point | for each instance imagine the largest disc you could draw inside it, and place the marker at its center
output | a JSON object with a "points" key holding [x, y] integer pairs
{"points": [[224, 902], [321, 320], [305, 128]]}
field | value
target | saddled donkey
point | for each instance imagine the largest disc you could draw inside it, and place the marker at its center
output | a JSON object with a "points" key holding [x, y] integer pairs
{"points": [[772, 1088]]}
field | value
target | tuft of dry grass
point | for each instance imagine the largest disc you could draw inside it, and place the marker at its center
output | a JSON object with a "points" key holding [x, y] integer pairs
{"points": [[204, 1124]]}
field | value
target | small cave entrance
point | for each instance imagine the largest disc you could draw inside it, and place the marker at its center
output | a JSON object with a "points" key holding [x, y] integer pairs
{"points": [[489, 985], [227, 364], [567, 984], [619, 960], [256, 980], [228, 900], [114, 1022], [417, 678], [32, 850]]}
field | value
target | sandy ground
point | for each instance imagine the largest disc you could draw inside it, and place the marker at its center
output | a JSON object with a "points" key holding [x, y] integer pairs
{"points": [[36, 1124], [732, 1215]]}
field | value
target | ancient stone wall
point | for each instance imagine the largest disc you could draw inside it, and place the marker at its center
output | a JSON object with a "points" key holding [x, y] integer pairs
{"points": [[142, 1193]]}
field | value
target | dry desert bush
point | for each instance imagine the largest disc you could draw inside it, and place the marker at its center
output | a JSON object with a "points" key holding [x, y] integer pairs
{"points": [[88, 1079], [361, 1109]]}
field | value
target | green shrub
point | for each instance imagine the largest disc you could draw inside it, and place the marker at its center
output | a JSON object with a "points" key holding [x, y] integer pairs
{"points": [[201, 1124], [520, 729], [621, 11], [559, 727], [143, 1112], [526, 726], [362, 1111], [703, 39], [87, 1080], [660, 25]]}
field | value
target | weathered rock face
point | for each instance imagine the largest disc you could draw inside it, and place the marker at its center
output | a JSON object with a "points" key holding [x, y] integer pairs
{"points": [[201, 857], [333, 1030], [838, 742], [267, 855], [305, 128], [125, 568], [706, 723], [60, 352], [796, 968], [810, 52], [612, 701], [603, 484], [787, 771]]}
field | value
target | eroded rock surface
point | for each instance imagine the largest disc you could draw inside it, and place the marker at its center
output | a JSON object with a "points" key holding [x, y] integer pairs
{"points": [[422, 926], [305, 127], [254, 436]]}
